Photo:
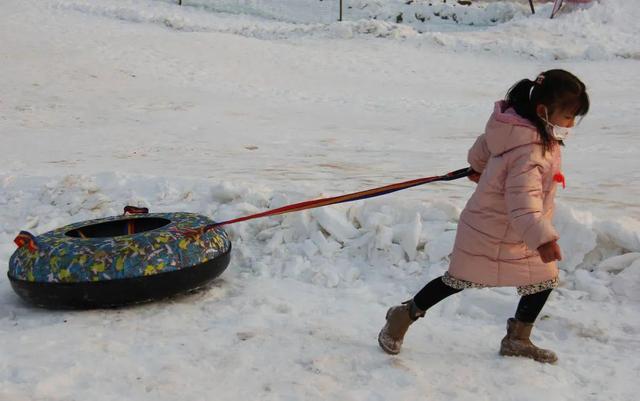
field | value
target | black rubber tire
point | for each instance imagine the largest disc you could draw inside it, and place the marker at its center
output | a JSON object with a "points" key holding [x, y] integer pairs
{"points": [[114, 293]]}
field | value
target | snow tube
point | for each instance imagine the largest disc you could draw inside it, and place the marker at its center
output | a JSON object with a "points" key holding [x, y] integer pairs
{"points": [[118, 260]]}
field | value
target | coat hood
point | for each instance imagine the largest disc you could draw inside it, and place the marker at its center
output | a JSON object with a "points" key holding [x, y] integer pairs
{"points": [[507, 130]]}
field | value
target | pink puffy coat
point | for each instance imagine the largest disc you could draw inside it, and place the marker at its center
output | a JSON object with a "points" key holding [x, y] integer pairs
{"points": [[509, 215]]}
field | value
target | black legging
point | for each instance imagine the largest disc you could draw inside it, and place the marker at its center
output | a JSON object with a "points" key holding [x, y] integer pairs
{"points": [[436, 290]]}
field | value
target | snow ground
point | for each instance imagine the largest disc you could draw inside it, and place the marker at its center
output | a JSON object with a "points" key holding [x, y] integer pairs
{"points": [[190, 109]]}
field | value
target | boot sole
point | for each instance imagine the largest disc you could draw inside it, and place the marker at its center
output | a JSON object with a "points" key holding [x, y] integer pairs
{"points": [[515, 354], [384, 347]]}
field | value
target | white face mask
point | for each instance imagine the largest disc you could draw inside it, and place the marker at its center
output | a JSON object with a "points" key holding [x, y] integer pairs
{"points": [[557, 132]]}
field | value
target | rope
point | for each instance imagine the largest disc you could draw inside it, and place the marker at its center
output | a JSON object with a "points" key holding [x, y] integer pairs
{"points": [[370, 193]]}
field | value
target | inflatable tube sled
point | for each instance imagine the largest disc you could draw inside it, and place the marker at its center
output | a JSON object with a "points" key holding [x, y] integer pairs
{"points": [[118, 260]]}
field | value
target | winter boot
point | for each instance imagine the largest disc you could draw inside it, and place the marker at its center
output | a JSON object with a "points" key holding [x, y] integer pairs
{"points": [[517, 343], [399, 318]]}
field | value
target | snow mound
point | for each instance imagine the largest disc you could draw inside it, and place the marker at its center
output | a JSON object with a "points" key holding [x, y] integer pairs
{"points": [[602, 30], [627, 282], [339, 245], [607, 29]]}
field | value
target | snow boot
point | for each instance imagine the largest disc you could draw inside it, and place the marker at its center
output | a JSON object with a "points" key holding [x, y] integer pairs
{"points": [[517, 343], [399, 318]]}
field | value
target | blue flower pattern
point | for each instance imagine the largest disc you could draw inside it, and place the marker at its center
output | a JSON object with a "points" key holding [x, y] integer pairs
{"points": [[60, 258]]}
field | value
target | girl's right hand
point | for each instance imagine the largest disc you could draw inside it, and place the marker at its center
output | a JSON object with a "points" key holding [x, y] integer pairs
{"points": [[474, 176], [550, 252]]}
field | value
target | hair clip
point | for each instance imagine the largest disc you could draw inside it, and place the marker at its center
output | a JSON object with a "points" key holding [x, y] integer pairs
{"points": [[539, 79]]}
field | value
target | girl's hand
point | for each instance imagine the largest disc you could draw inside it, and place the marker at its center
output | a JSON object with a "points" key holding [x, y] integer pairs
{"points": [[550, 252], [474, 176]]}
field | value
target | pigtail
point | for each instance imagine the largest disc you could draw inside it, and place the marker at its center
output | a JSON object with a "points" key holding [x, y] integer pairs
{"points": [[520, 93], [523, 97]]}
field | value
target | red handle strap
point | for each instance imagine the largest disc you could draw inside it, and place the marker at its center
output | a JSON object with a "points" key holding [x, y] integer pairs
{"points": [[131, 225], [25, 238], [135, 210]]}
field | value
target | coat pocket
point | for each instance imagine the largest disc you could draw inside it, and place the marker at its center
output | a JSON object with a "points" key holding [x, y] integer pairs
{"points": [[512, 247]]}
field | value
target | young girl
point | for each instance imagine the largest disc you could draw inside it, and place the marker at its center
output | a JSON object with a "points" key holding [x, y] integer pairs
{"points": [[505, 235]]}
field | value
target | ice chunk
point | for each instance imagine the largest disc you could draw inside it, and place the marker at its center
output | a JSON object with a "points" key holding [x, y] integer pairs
{"points": [[625, 233], [274, 242], [433, 229], [618, 263], [451, 211], [597, 289], [441, 246], [334, 221], [333, 279], [396, 254], [223, 192], [300, 225], [374, 219], [327, 247], [309, 248], [384, 237], [407, 235], [577, 237], [627, 282]]}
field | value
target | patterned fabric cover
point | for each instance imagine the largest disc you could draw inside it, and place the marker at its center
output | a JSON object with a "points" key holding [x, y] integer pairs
{"points": [[522, 290], [61, 258]]}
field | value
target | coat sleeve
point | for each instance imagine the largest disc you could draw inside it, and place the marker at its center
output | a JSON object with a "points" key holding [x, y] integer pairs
{"points": [[524, 199], [479, 154]]}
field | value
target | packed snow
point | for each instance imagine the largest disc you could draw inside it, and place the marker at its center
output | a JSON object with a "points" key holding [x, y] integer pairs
{"points": [[227, 108]]}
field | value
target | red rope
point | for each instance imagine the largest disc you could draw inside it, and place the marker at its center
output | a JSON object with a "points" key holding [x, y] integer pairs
{"points": [[311, 204]]}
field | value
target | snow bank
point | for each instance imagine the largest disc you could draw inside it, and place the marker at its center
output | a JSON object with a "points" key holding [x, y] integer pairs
{"points": [[606, 29], [339, 245], [602, 30]]}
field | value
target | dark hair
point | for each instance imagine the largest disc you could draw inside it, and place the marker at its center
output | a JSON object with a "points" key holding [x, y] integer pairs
{"points": [[557, 90]]}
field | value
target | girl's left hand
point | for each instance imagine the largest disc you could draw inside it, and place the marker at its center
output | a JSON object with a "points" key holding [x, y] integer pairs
{"points": [[550, 252]]}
